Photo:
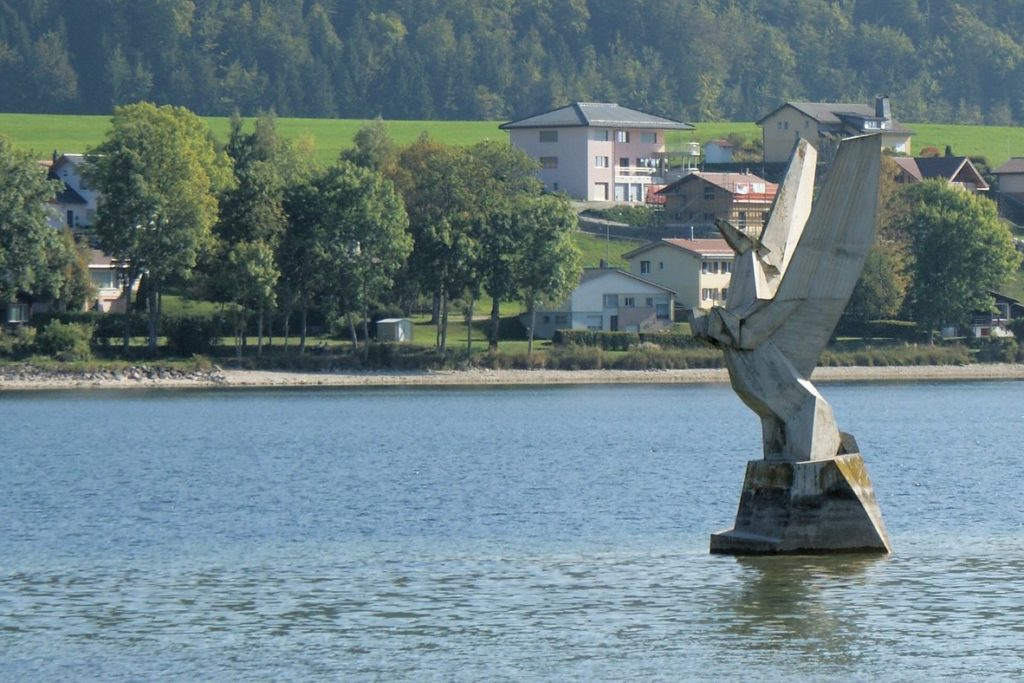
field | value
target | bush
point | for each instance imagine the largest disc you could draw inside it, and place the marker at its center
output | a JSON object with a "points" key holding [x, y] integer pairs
{"points": [[18, 342], [193, 335], [900, 330], [65, 341], [996, 350]]}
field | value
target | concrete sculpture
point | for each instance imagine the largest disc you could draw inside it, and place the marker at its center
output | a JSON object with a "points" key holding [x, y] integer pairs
{"points": [[811, 492]]}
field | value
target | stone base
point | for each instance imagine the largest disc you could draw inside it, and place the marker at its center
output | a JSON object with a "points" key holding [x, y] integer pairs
{"points": [[820, 506]]}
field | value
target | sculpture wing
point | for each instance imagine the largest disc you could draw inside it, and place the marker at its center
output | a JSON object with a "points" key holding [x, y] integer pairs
{"points": [[827, 261]]}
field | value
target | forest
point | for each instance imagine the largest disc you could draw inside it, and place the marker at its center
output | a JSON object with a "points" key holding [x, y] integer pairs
{"points": [[956, 61]]}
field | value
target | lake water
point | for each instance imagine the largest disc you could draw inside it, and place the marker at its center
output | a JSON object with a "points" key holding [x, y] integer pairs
{"points": [[492, 534]]}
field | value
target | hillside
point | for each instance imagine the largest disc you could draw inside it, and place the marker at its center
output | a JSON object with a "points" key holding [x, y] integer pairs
{"points": [[946, 61], [44, 133]]}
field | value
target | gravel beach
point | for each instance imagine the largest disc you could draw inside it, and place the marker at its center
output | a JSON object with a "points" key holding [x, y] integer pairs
{"points": [[21, 379]]}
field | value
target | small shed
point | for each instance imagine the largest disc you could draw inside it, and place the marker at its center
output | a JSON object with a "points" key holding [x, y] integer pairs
{"points": [[394, 330]]}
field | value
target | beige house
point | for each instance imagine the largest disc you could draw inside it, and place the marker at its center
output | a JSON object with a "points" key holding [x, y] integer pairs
{"points": [[611, 300], [698, 198], [698, 271], [824, 124], [1011, 189], [596, 151]]}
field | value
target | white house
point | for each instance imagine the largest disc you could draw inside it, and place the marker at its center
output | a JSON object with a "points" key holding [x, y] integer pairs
{"points": [[698, 271], [608, 299], [75, 205], [596, 151]]}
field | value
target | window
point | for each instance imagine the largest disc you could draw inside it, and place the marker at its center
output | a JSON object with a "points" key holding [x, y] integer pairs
{"points": [[622, 136], [599, 135], [742, 219], [549, 162], [649, 138], [710, 294], [645, 267], [725, 293], [624, 162], [17, 313], [705, 267], [595, 322], [649, 302], [611, 300], [71, 218], [630, 302], [726, 267], [600, 162], [561, 319], [661, 265], [661, 311], [709, 192], [547, 320], [549, 136]]}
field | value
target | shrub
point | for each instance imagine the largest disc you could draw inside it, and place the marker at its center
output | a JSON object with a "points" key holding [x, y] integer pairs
{"points": [[192, 335], [65, 341], [996, 349], [17, 342]]}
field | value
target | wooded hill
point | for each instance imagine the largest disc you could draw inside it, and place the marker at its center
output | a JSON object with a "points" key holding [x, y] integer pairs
{"points": [[703, 60]]}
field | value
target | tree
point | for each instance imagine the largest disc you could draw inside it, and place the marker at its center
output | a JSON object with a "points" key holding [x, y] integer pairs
{"points": [[159, 175], [503, 176], [883, 283], [437, 186], [251, 272], [372, 148], [355, 240], [549, 261], [961, 251], [252, 212], [27, 242]]}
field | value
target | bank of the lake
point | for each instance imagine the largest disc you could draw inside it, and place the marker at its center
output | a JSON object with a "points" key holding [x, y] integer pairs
{"points": [[33, 378]]}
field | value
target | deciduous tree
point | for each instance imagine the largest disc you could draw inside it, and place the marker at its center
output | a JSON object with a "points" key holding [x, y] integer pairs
{"points": [[961, 251], [159, 173]]}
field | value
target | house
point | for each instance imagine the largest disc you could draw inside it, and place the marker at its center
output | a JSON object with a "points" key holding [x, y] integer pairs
{"points": [[608, 299], [74, 207], [698, 198], [596, 151], [824, 124], [75, 204], [106, 278], [994, 323], [958, 171], [718, 152], [1011, 189], [698, 271]]}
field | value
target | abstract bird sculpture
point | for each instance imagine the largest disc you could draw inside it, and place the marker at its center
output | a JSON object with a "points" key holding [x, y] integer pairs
{"points": [[787, 292]]}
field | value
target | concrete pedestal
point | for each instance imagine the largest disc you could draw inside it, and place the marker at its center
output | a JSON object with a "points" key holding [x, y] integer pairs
{"points": [[820, 506]]}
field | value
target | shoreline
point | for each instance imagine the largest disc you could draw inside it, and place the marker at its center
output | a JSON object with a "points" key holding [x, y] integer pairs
{"points": [[232, 379]]}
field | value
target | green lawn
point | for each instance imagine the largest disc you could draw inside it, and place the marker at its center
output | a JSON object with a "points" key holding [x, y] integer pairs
{"points": [[43, 133], [595, 248]]}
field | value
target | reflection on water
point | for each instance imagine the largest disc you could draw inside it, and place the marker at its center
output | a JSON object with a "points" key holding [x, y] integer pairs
{"points": [[369, 535]]}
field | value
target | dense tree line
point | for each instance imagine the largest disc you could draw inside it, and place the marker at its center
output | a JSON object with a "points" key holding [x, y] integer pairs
{"points": [[941, 60], [257, 225]]}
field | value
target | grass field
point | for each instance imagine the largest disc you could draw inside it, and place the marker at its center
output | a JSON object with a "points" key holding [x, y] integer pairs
{"points": [[42, 133]]}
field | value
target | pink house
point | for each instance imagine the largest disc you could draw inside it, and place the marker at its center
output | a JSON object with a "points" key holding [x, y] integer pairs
{"points": [[596, 151]]}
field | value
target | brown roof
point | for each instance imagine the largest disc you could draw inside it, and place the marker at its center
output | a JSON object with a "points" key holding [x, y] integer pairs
{"points": [[745, 185]]}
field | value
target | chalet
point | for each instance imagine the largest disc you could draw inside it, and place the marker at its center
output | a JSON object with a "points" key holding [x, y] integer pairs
{"points": [[1011, 189], [824, 124], [957, 171], [596, 151], [697, 199]]}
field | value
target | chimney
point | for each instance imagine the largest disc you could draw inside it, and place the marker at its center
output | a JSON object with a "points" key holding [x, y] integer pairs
{"points": [[882, 108]]}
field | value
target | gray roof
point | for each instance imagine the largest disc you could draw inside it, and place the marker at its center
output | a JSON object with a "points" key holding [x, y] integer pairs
{"points": [[1014, 165], [831, 113], [595, 114], [594, 273]]}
